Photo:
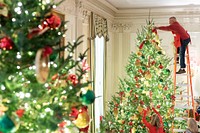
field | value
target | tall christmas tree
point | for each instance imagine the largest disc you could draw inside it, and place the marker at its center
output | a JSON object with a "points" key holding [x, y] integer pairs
{"points": [[149, 84], [39, 90]]}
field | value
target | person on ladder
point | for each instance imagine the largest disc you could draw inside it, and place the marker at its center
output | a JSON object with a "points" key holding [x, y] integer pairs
{"points": [[179, 31]]}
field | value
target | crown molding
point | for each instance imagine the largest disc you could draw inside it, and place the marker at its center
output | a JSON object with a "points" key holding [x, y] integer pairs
{"points": [[100, 7]]}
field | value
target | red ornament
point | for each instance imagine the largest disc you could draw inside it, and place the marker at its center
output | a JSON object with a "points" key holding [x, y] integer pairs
{"points": [[101, 118], [140, 71], [74, 113], [158, 106], [153, 62], [6, 43], [165, 88], [121, 131], [160, 66], [142, 102], [121, 94], [141, 45], [20, 112], [62, 124], [173, 97], [136, 79], [47, 51], [130, 123], [73, 79], [53, 21]]}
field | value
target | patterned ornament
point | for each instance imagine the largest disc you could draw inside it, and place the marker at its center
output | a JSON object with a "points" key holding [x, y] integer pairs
{"points": [[87, 98], [42, 66]]}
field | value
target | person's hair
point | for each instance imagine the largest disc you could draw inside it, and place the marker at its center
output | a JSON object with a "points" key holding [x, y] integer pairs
{"points": [[192, 116], [173, 18], [155, 121], [192, 125]]}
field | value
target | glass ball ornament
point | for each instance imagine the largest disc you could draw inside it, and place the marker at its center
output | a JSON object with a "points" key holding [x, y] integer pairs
{"points": [[87, 98], [128, 89], [82, 120], [7, 124], [166, 71], [160, 52]]}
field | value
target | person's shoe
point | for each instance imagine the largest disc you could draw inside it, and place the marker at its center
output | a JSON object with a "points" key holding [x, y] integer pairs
{"points": [[180, 71]]}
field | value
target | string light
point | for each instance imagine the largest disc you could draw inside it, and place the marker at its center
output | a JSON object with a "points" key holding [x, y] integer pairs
{"points": [[3, 87]]}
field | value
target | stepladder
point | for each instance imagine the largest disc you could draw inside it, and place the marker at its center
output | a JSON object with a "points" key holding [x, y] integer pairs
{"points": [[184, 104]]}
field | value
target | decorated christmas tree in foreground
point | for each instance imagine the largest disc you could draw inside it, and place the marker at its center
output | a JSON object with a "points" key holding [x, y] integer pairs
{"points": [[149, 84], [40, 91]]}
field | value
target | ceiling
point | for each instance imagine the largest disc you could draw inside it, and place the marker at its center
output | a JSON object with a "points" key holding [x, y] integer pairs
{"points": [[131, 4]]}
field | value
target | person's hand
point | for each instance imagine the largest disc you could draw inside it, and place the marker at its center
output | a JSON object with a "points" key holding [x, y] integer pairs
{"points": [[144, 111], [155, 28]]}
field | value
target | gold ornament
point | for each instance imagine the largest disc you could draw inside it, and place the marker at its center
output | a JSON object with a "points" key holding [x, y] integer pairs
{"points": [[137, 63], [148, 75], [82, 120], [140, 109], [121, 121], [115, 112], [135, 117], [133, 130], [42, 66], [139, 53], [160, 86]]}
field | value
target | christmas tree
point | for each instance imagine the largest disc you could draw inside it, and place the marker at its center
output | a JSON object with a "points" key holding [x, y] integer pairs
{"points": [[40, 90], [148, 84]]}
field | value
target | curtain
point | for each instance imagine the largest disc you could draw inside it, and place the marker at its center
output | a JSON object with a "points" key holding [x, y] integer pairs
{"points": [[99, 27]]}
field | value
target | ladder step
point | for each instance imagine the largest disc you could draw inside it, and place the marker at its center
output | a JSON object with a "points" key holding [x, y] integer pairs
{"points": [[179, 130], [179, 118], [183, 74], [181, 89], [182, 85], [183, 96], [183, 107], [182, 101]]}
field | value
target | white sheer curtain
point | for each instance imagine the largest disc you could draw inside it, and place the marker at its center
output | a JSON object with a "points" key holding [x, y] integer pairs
{"points": [[99, 80]]}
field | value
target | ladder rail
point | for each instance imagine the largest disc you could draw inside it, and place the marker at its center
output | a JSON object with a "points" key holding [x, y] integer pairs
{"points": [[190, 80]]}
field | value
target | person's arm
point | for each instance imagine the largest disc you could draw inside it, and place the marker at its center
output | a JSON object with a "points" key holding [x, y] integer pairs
{"points": [[146, 123], [161, 122], [171, 27]]}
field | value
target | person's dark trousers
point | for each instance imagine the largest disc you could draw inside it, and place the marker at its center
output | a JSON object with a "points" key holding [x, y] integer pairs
{"points": [[177, 58], [183, 47]]}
